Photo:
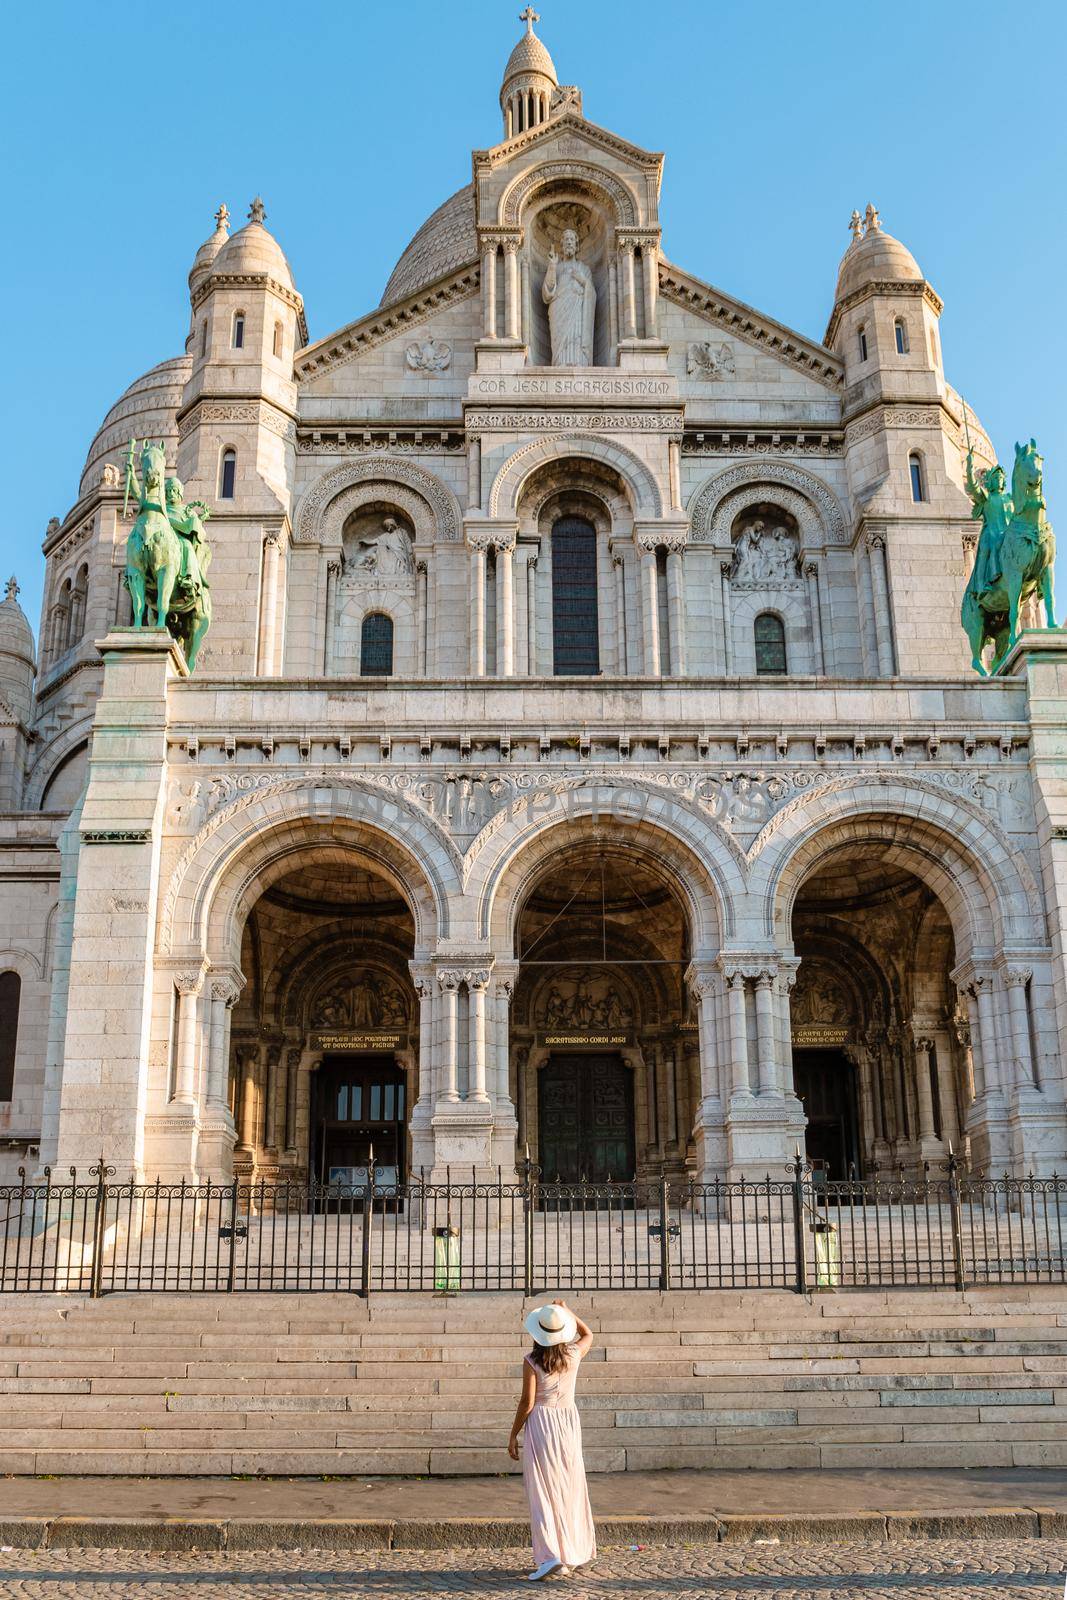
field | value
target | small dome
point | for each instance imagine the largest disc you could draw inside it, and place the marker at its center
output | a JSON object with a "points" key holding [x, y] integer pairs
{"points": [[147, 410], [874, 256], [17, 655], [253, 250], [447, 240], [530, 55], [210, 247]]}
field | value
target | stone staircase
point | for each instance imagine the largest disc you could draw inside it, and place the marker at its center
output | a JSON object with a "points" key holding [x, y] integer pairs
{"points": [[215, 1385]]}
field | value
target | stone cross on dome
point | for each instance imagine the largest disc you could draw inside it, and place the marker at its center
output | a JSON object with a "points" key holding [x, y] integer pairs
{"points": [[222, 217], [529, 16], [257, 211], [11, 590]]}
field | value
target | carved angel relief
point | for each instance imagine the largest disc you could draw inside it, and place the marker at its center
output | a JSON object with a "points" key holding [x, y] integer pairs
{"points": [[707, 360]]}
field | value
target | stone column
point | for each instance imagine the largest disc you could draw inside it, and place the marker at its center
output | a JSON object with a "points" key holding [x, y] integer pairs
{"points": [[268, 605], [924, 1096], [811, 573], [474, 472], [489, 290], [477, 983], [247, 1101], [974, 1031], [613, 306], [629, 298], [270, 1128], [427, 1085], [448, 1086], [224, 995], [1016, 980], [478, 548], [739, 1084], [619, 568], [533, 656], [188, 985], [505, 584], [512, 318], [333, 575], [649, 284], [650, 610], [421, 617], [946, 1087], [987, 1028], [880, 590], [672, 1096], [787, 977], [292, 1084], [676, 608], [766, 1034], [674, 468], [726, 568]]}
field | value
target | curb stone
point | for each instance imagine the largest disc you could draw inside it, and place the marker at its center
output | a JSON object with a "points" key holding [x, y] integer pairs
{"points": [[185, 1534]]}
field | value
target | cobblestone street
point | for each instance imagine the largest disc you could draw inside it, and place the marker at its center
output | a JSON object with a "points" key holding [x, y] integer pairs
{"points": [[915, 1571]]}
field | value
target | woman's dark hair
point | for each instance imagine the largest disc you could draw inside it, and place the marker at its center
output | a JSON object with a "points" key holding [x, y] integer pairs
{"points": [[550, 1357]]}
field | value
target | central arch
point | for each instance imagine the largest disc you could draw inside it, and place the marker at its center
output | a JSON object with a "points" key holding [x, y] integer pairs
{"points": [[641, 487]]}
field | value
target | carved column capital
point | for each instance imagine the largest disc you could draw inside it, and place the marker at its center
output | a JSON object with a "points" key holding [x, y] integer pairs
{"points": [[1017, 977]]}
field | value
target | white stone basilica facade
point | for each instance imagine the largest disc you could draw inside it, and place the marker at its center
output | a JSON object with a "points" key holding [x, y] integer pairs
{"points": [[584, 753]]}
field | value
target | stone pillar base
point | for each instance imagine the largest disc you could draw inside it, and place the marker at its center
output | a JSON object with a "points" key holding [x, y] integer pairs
{"points": [[710, 1135], [215, 1146], [462, 1142], [762, 1134], [1036, 1136], [987, 1127], [172, 1145]]}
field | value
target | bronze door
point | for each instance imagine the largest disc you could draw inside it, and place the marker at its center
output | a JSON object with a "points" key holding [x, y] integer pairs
{"points": [[586, 1119], [826, 1086]]}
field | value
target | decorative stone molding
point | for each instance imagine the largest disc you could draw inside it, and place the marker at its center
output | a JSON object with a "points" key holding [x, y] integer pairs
{"points": [[507, 485], [816, 509], [327, 497], [258, 412], [571, 421], [116, 835], [509, 212]]}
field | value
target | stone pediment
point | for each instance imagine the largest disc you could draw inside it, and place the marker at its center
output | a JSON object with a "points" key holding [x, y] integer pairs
{"points": [[723, 314], [386, 322], [578, 136]]}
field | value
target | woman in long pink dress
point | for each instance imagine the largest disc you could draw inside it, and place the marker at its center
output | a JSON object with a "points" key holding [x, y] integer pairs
{"points": [[553, 1471]]}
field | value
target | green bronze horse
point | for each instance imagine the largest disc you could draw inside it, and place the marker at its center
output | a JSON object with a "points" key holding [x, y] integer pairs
{"points": [[1016, 550], [167, 556]]}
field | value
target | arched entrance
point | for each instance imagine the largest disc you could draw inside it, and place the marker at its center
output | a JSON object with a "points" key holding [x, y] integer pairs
{"points": [[324, 1053], [879, 1062], [604, 1048]]}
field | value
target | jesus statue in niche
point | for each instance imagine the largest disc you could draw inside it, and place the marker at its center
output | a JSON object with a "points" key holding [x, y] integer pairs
{"points": [[569, 294]]}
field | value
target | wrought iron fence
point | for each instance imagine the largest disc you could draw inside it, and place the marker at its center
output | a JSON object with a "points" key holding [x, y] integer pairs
{"points": [[98, 1236]]}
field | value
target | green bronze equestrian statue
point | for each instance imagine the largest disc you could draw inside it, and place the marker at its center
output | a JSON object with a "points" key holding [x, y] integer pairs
{"points": [[167, 556], [1013, 562]]}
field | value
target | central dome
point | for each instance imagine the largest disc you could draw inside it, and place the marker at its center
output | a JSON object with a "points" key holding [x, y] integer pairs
{"points": [[446, 241]]}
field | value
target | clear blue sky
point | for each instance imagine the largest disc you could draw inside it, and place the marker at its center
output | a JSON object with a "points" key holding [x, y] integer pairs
{"points": [[125, 126]]}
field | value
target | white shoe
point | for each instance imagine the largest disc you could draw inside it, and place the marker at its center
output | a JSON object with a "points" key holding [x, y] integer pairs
{"points": [[545, 1570]]}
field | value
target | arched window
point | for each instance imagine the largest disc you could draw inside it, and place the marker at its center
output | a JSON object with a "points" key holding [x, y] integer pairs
{"points": [[863, 343], [277, 345], [228, 475], [918, 481], [10, 994], [65, 612], [770, 643], [900, 334], [575, 617], [77, 604], [238, 330], [376, 646]]}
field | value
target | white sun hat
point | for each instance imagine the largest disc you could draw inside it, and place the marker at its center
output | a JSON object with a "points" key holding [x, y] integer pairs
{"points": [[552, 1325]]}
